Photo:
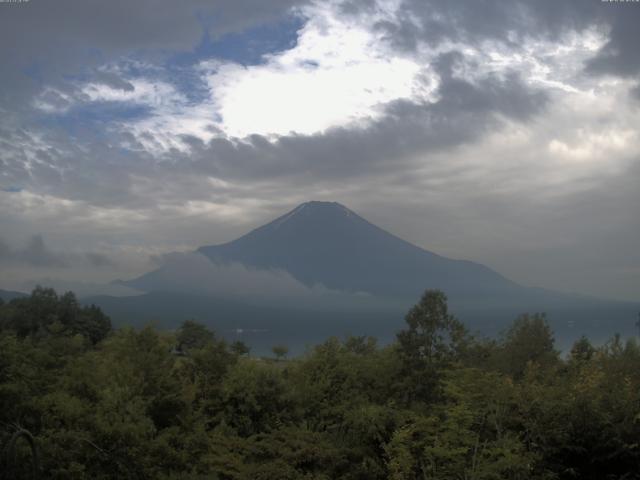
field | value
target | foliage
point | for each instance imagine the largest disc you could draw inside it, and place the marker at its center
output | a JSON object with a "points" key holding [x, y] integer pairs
{"points": [[45, 314], [436, 404], [528, 340], [433, 340], [193, 335], [280, 351]]}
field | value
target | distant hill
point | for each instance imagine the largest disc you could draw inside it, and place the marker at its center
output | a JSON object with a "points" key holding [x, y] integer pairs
{"points": [[8, 295]]}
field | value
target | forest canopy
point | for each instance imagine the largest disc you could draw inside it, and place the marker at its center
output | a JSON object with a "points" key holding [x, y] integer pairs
{"points": [[438, 403]]}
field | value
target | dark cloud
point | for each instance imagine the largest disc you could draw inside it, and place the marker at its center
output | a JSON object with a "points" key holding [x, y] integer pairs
{"points": [[43, 42], [36, 253], [438, 21], [511, 23], [620, 55], [34, 30], [506, 94]]}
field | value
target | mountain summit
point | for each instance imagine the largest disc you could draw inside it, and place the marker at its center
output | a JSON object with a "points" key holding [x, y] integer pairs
{"points": [[327, 243]]}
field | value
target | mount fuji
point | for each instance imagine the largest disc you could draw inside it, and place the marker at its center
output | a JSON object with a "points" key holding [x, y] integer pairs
{"points": [[326, 244], [323, 261]]}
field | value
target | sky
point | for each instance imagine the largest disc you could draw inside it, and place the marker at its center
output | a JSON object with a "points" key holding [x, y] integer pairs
{"points": [[506, 133]]}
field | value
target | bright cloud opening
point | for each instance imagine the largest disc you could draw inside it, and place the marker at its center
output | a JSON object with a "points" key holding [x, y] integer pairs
{"points": [[337, 74]]}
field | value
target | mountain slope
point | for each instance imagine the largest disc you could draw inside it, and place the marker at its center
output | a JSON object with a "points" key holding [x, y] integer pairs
{"points": [[326, 243]]}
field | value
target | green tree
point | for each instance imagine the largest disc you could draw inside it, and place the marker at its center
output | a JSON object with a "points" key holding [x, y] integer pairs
{"points": [[193, 335], [255, 398], [528, 340], [582, 350], [464, 436], [44, 314], [240, 348], [433, 340], [280, 351]]}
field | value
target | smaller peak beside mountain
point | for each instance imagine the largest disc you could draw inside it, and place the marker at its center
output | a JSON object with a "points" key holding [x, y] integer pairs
{"points": [[8, 295]]}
